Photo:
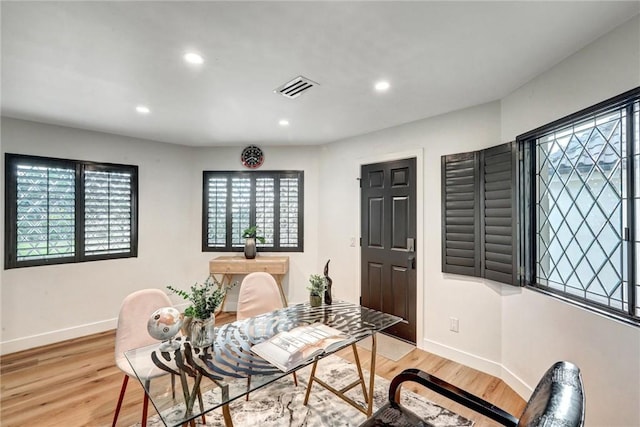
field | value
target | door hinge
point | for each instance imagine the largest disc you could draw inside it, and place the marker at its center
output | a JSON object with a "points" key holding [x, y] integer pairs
{"points": [[360, 300], [361, 242], [626, 234]]}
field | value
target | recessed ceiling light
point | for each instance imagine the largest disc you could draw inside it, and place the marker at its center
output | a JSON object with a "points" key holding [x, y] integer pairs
{"points": [[193, 58], [382, 86], [143, 109], [284, 122]]}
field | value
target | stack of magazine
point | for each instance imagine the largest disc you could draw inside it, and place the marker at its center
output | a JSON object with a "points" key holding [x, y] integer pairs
{"points": [[290, 349]]}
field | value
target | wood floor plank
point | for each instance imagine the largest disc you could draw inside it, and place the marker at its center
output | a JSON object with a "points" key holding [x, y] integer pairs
{"points": [[76, 383]]}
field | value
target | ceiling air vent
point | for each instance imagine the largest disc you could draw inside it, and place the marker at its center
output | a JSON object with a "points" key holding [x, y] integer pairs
{"points": [[295, 87]]}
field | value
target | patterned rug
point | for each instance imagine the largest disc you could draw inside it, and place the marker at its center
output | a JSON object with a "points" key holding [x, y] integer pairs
{"points": [[280, 404]]}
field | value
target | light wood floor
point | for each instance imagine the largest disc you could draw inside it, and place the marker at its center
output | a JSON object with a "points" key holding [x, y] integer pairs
{"points": [[76, 383]]}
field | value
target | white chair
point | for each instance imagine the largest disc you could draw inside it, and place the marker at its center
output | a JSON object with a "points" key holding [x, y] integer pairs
{"points": [[132, 333], [258, 294]]}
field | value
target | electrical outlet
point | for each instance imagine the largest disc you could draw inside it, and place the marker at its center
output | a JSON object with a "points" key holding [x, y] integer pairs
{"points": [[352, 242], [454, 324]]}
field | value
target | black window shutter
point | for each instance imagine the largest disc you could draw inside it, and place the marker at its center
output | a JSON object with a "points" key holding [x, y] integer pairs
{"points": [[460, 214], [498, 216]]}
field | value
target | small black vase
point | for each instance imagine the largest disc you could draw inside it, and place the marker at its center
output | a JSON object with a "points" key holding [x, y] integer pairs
{"points": [[250, 248]]}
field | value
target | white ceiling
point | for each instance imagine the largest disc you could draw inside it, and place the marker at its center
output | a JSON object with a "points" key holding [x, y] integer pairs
{"points": [[88, 64]]}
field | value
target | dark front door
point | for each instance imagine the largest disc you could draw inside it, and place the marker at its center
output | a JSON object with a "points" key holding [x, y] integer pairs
{"points": [[388, 229]]}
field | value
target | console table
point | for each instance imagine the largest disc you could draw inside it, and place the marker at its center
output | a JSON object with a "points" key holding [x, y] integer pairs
{"points": [[228, 266]]}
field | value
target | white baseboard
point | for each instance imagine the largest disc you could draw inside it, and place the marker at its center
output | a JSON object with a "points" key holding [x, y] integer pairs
{"points": [[32, 341], [516, 383], [481, 364]]}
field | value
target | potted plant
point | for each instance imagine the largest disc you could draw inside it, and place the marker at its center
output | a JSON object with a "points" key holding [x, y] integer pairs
{"points": [[205, 299], [251, 235], [317, 286]]}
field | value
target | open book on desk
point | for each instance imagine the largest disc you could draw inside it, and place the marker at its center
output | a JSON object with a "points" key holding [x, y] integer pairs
{"points": [[290, 349]]}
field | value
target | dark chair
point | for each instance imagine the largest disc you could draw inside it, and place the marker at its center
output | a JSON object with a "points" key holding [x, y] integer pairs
{"points": [[557, 401]]}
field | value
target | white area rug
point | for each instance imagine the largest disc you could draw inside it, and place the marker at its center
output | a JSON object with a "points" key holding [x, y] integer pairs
{"points": [[387, 346], [280, 404]]}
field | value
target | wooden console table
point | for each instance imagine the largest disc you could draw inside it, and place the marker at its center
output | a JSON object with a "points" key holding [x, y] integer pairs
{"points": [[228, 266]]}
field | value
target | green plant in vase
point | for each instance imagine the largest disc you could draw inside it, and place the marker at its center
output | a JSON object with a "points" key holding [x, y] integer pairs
{"points": [[250, 234], [205, 299], [317, 286]]}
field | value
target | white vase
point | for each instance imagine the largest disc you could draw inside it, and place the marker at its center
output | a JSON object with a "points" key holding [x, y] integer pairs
{"points": [[202, 332]]}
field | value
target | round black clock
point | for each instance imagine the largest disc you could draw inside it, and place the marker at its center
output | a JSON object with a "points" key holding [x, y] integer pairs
{"points": [[252, 157]]}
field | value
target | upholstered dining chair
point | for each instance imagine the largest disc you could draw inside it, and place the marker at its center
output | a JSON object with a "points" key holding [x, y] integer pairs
{"points": [[558, 400], [258, 294], [131, 333]]}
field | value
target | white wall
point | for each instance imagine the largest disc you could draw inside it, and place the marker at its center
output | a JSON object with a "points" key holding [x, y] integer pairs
{"points": [[301, 264], [474, 303], [47, 304], [537, 329]]}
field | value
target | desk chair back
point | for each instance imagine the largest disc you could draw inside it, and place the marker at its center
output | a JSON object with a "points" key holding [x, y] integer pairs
{"points": [[134, 314], [259, 294], [131, 333]]}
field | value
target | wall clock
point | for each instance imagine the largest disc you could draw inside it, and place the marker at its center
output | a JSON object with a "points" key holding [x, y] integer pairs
{"points": [[252, 157]]}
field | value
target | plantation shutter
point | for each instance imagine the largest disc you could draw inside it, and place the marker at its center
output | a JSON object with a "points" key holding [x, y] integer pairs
{"points": [[63, 211], [479, 214], [45, 211], [215, 200], [498, 217], [460, 214], [108, 211], [240, 209], [265, 209], [233, 201], [289, 206]]}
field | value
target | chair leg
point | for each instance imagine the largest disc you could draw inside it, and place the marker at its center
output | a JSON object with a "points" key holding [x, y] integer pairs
{"points": [[295, 379], [145, 405], [122, 390], [145, 408]]}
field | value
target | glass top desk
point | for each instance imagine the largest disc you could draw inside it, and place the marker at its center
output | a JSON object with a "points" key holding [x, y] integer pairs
{"points": [[215, 376]]}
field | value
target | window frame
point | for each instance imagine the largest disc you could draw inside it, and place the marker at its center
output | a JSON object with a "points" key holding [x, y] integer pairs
{"points": [[79, 166], [254, 175], [527, 203]]}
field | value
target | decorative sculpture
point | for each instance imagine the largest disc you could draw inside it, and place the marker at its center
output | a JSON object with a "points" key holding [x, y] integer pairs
{"points": [[327, 292]]}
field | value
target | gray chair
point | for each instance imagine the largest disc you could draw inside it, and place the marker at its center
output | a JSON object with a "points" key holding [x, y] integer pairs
{"points": [[557, 401]]}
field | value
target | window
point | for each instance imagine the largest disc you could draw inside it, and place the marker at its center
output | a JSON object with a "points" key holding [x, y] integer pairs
{"points": [[64, 211], [556, 212], [581, 188], [233, 201]]}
